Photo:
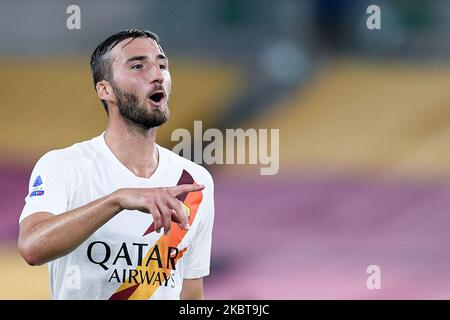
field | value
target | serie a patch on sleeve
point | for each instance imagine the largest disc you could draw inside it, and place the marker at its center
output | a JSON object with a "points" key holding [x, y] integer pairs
{"points": [[37, 188]]}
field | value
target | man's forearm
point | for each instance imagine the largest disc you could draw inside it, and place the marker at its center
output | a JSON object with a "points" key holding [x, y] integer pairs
{"points": [[56, 236], [192, 289]]}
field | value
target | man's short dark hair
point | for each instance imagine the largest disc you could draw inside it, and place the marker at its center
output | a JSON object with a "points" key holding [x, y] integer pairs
{"points": [[101, 66]]}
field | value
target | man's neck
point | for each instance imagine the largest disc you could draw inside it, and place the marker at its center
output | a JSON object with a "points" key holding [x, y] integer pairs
{"points": [[134, 146]]}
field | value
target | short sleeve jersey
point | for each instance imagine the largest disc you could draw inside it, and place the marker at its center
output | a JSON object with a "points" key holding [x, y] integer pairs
{"points": [[125, 258]]}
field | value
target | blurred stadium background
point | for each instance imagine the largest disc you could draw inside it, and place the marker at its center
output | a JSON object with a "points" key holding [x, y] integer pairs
{"points": [[364, 120]]}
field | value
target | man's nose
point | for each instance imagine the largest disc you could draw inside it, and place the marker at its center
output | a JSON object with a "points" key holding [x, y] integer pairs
{"points": [[156, 74]]}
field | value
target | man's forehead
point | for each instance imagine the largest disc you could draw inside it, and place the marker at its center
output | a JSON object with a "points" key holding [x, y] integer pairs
{"points": [[135, 47]]}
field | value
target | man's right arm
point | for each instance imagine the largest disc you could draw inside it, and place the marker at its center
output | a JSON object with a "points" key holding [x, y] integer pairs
{"points": [[44, 236]]}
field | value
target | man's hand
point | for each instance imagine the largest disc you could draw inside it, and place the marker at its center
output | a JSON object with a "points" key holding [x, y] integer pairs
{"points": [[161, 203]]}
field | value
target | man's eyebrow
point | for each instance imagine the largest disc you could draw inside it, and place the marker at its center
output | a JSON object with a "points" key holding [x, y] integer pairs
{"points": [[137, 58], [140, 58], [161, 56]]}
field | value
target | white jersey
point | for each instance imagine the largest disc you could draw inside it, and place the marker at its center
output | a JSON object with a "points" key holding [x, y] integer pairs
{"points": [[125, 258]]}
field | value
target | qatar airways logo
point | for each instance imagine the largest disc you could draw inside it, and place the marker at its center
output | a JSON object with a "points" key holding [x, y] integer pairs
{"points": [[101, 254]]}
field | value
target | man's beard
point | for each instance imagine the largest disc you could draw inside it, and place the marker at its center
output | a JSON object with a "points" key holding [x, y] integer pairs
{"points": [[131, 109]]}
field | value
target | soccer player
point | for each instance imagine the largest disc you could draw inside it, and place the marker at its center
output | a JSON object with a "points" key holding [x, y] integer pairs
{"points": [[95, 210]]}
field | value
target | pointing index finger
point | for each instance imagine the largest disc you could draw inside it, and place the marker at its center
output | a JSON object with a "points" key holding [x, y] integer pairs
{"points": [[184, 188]]}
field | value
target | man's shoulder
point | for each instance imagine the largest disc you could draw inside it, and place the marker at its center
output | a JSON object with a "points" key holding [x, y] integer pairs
{"points": [[76, 154], [192, 167]]}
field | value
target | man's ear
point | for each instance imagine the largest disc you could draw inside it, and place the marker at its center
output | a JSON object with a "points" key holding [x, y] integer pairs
{"points": [[104, 91]]}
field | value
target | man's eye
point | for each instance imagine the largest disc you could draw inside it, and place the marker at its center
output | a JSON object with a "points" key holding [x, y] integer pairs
{"points": [[162, 66], [137, 66]]}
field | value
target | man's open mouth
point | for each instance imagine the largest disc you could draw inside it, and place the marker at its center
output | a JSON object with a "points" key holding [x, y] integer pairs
{"points": [[157, 96]]}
